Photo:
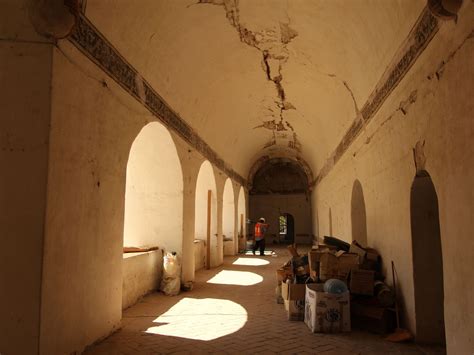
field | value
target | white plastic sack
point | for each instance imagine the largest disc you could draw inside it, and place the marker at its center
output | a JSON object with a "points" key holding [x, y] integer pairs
{"points": [[171, 265], [170, 286], [171, 281]]}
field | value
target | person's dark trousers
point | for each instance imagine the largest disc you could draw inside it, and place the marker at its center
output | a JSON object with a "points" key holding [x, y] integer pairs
{"points": [[259, 244]]}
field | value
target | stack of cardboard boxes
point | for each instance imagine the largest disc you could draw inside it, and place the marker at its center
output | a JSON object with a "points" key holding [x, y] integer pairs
{"points": [[301, 286]]}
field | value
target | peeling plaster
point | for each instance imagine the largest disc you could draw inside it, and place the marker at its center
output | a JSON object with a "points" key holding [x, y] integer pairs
{"points": [[403, 107], [419, 156], [274, 55], [440, 70]]}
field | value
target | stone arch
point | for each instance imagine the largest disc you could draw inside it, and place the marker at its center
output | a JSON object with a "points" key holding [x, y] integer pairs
{"points": [[206, 200], [228, 217], [242, 220], [154, 191], [265, 160]]}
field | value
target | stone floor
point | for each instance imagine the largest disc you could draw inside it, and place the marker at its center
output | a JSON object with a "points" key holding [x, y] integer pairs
{"points": [[232, 309]]}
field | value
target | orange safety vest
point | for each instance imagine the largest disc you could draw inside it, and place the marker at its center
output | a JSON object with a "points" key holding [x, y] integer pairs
{"points": [[258, 230]]}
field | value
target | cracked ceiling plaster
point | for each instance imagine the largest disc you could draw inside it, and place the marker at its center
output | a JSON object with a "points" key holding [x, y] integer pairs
{"points": [[260, 77]]}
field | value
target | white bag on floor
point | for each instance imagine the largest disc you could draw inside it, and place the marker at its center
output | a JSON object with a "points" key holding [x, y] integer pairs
{"points": [[171, 281]]}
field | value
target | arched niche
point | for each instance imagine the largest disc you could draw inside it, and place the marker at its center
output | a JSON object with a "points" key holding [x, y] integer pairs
{"points": [[154, 192], [427, 261], [281, 186], [241, 220], [228, 218], [205, 224], [358, 214]]}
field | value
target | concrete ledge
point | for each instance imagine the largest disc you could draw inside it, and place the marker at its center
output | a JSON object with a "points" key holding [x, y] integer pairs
{"points": [[141, 275], [199, 254]]}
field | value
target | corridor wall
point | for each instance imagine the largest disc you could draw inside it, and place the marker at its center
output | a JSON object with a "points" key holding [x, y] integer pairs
{"points": [[434, 130]]}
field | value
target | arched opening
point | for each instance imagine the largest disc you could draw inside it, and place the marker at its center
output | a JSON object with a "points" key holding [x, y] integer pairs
{"points": [[427, 261], [242, 220], [228, 218], [153, 209], [358, 215], [205, 224], [280, 187]]}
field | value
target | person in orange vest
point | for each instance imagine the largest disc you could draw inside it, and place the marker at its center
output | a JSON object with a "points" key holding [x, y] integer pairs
{"points": [[260, 229]]}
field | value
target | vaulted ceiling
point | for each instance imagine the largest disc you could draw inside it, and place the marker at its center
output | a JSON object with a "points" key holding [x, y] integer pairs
{"points": [[283, 78]]}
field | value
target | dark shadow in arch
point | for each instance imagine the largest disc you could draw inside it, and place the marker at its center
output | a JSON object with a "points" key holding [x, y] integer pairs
{"points": [[427, 261], [358, 214]]}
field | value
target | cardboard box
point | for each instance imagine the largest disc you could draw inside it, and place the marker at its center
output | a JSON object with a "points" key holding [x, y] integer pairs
{"points": [[337, 267], [278, 297], [362, 282], [374, 319], [347, 262], [294, 296], [283, 273], [295, 309], [314, 258], [372, 254], [292, 292], [324, 247], [356, 248], [326, 312]]}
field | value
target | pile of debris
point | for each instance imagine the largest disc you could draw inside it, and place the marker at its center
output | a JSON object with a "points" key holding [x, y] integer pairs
{"points": [[336, 283]]}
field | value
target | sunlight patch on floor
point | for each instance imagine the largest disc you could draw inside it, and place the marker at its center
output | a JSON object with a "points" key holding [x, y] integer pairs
{"points": [[200, 319], [266, 252], [240, 278], [250, 262]]}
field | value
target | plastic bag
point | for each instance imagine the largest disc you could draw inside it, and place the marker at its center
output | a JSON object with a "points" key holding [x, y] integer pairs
{"points": [[171, 281]]}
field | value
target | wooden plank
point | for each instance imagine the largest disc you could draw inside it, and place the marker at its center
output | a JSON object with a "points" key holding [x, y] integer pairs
{"points": [[208, 244]]}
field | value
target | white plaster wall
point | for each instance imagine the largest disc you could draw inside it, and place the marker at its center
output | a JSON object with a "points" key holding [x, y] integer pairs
{"points": [[382, 159], [25, 80], [221, 178], [205, 182], [93, 125], [154, 192], [191, 162], [271, 206], [199, 248], [242, 210], [141, 275], [228, 218]]}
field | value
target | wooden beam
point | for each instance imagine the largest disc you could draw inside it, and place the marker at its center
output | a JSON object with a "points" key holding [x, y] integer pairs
{"points": [[208, 241]]}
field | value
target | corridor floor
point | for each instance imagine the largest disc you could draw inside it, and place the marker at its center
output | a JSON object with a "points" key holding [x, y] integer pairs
{"points": [[232, 309]]}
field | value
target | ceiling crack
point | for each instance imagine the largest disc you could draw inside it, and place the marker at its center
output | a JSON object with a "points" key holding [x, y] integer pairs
{"points": [[356, 108], [274, 55]]}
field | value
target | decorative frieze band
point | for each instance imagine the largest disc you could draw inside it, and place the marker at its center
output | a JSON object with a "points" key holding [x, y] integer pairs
{"points": [[96, 47]]}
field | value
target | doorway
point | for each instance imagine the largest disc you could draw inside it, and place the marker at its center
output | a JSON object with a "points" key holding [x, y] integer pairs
{"points": [[287, 228], [427, 261]]}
